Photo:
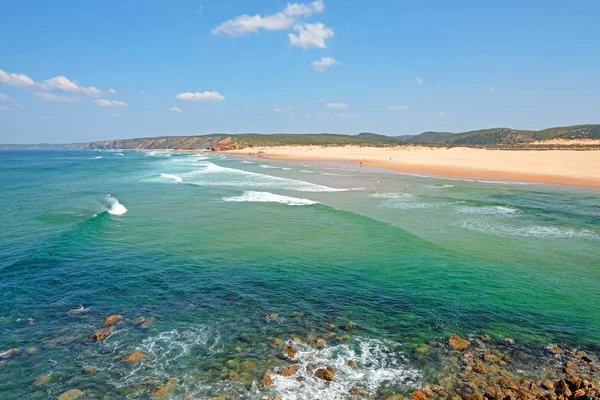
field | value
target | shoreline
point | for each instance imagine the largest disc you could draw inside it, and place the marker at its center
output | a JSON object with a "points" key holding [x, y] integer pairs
{"points": [[561, 167]]}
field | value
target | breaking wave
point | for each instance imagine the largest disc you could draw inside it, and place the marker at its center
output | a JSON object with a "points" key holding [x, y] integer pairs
{"points": [[266, 197], [173, 177], [114, 207], [538, 231], [378, 365], [215, 175], [487, 210]]}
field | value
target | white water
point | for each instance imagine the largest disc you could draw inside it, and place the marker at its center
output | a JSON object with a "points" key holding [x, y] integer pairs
{"points": [[266, 197], [174, 177], [114, 207]]}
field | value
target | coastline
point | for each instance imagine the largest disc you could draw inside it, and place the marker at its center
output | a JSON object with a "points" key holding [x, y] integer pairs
{"points": [[562, 167]]}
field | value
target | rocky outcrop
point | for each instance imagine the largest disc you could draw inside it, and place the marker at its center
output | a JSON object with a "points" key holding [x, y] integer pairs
{"points": [[101, 334], [112, 319], [288, 371], [458, 343], [164, 390], [71, 395], [326, 374], [134, 357]]}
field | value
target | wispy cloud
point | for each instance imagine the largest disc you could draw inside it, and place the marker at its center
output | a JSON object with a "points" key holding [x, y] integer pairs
{"points": [[112, 91], [143, 93], [4, 97], [492, 88], [12, 79], [398, 108], [311, 35], [304, 10], [199, 96], [116, 115], [324, 63], [2, 108], [442, 114], [419, 80], [53, 97], [64, 84], [109, 103], [337, 106], [175, 109], [284, 109]]}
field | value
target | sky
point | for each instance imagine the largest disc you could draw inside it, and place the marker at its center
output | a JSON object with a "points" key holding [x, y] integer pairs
{"points": [[77, 71]]}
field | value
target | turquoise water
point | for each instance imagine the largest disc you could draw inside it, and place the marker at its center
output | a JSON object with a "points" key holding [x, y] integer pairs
{"points": [[209, 244]]}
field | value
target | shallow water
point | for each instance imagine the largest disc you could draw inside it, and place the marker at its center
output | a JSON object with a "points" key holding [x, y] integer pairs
{"points": [[209, 244]]}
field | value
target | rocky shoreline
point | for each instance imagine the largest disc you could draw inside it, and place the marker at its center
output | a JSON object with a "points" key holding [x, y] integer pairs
{"points": [[469, 368]]}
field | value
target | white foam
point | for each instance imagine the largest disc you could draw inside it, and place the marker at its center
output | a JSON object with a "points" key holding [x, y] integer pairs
{"points": [[404, 201], [97, 158], [392, 195], [487, 210], [174, 177], [377, 365], [114, 207], [538, 231], [215, 175], [119, 154], [268, 166], [247, 162], [266, 197]]}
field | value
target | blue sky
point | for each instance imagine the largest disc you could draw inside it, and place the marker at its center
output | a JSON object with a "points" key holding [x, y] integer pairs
{"points": [[76, 70]]}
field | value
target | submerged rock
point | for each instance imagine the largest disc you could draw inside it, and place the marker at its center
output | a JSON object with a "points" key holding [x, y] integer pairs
{"points": [[41, 380], [101, 334], [319, 342], [112, 319], [350, 326], [395, 397], [165, 389], [271, 317], [458, 343], [134, 357], [89, 370], [144, 322], [71, 395], [9, 353]]}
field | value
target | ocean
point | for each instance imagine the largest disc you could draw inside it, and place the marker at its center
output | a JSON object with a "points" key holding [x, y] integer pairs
{"points": [[229, 258]]}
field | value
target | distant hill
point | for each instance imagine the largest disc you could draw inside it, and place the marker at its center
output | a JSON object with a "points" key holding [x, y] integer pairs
{"points": [[497, 137], [507, 136]]}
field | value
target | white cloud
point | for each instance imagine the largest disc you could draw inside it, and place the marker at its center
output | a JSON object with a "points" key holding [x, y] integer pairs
{"points": [[311, 35], [116, 115], [284, 109], [143, 93], [4, 97], [337, 106], [206, 96], [282, 20], [492, 88], [15, 79], [53, 97], [112, 91], [419, 80], [324, 63], [252, 24], [175, 109], [343, 115], [304, 10], [442, 114], [60, 83], [92, 91], [109, 103], [398, 108], [2, 108]]}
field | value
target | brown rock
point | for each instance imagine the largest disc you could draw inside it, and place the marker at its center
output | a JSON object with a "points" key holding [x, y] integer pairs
{"points": [[343, 338], [218, 398], [325, 374], [395, 397], [113, 319], [547, 384], [101, 334], [288, 371], [579, 393], [267, 380], [458, 343], [418, 395], [562, 389], [290, 352], [248, 364], [554, 349], [319, 342], [357, 391], [165, 389], [508, 341], [134, 357], [350, 326], [70, 395], [479, 368], [297, 314], [351, 363]]}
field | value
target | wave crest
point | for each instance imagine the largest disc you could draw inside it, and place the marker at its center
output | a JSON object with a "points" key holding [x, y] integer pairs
{"points": [[266, 197]]}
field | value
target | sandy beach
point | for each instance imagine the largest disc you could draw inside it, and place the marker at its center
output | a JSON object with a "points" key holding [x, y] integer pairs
{"points": [[567, 167]]}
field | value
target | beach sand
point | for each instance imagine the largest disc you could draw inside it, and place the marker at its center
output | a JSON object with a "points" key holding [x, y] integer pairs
{"points": [[567, 167]]}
